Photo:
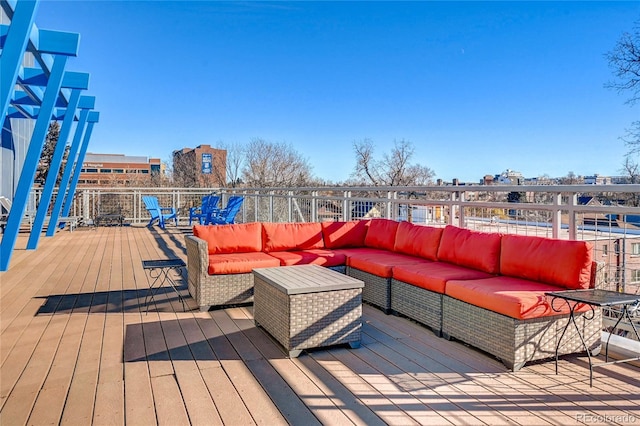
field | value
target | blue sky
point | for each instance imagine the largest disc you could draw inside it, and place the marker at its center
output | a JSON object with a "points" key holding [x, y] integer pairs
{"points": [[477, 87]]}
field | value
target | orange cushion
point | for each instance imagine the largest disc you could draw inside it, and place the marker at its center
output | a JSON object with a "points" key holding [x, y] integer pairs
{"points": [[344, 234], [417, 240], [350, 252], [291, 236], [434, 275], [381, 234], [320, 257], [559, 262], [240, 263], [381, 264], [513, 297], [473, 249], [237, 238]]}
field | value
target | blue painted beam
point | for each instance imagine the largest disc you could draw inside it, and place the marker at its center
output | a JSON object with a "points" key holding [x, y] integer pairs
{"points": [[15, 45], [58, 42], [94, 117], [73, 154], [21, 97], [31, 162], [52, 176]]}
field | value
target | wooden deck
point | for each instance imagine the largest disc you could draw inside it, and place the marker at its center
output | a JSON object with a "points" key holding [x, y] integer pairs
{"points": [[77, 348]]}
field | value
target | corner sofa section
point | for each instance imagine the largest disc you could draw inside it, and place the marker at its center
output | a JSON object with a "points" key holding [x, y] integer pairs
{"points": [[485, 289]]}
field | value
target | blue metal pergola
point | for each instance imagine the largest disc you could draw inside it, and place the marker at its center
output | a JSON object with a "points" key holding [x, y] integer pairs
{"points": [[42, 93]]}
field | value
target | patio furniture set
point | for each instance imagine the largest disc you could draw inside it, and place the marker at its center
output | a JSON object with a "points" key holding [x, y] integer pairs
{"points": [[485, 289], [207, 213]]}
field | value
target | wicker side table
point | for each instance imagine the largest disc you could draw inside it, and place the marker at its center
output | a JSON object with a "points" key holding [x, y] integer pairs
{"points": [[308, 306]]}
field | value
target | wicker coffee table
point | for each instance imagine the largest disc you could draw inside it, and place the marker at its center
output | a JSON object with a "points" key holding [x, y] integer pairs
{"points": [[308, 306]]}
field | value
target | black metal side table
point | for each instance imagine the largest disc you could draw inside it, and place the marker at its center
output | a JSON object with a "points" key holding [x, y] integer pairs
{"points": [[159, 271], [595, 298]]}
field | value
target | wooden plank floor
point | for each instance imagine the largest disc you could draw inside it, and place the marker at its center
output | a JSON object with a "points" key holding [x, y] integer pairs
{"points": [[76, 348]]}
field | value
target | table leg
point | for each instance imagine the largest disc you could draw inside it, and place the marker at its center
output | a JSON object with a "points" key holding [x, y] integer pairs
{"points": [[572, 319]]}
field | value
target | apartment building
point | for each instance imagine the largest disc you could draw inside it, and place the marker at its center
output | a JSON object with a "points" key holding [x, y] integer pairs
{"points": [[118, 170], [202, 166]]}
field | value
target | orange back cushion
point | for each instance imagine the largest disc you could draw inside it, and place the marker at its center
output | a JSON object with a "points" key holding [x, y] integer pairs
{"points": [[237, 238], [381, 234], [344, 234], [291, 236], [416, 240], [473, 249], [560, 262]]}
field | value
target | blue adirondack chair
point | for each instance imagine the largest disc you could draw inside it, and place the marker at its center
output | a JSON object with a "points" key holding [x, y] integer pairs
{"points": [[161, 214], [228, 214], [209, 205]]}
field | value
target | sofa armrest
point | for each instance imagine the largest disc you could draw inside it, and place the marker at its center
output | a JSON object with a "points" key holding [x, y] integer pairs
{"points": [[597, 275], [197, 258]]}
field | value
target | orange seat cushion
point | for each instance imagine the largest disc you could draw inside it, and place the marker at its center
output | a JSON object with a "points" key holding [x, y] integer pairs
{"points": [[320, 257], [382, 263], [381, 234], [344, 234], [558, 262], [240, 263], [417, 240], [473, 249], [513, 297], [291, 236], [236, 238], [433, 276]]}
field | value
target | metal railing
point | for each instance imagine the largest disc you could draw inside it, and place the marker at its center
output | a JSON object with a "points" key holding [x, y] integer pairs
{"points": [[605, 215]]}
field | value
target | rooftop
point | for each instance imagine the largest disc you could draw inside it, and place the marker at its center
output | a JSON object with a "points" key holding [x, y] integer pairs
{"points": [[77, 347]]}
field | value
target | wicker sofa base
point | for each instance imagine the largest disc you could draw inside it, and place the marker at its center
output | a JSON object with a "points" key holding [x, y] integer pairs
{"points": [[516, 342], [417, 303], [221, 290], [376, 291], [213, 290]]}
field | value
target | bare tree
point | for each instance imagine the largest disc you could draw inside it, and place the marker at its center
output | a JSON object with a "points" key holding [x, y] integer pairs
{"points": [[394, 169], [631, 170], [624, 61], [569, 179], [235, 161], [269, 164]]}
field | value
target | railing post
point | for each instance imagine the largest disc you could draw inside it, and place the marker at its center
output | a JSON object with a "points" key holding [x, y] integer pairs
{"points": [[556, 224], [314, 205], [85, 206], [461, 214], [270, 206], [290, 206], [452, 209], [573, 231], [345, 206]]}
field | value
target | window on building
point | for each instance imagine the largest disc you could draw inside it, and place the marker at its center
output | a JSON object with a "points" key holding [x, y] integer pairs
{"points": [[118, 170], [91, 170], [144, 171], [105, 170], [635, 275], [635, 248], [605, 250], [155, 168]]}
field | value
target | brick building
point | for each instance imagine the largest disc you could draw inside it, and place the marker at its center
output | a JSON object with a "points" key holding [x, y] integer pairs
{"points": [[202, 166], [118, 170]]}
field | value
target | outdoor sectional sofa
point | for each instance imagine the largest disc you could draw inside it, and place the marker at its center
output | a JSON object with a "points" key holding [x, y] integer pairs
{"points": [[485, 289]]}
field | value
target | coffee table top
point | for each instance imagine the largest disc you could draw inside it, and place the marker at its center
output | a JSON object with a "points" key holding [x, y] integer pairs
{"points": [[303, 279], [596, 297]]}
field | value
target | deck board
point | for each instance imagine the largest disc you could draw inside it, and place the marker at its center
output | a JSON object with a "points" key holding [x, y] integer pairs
{"points": [[78, 347]]}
